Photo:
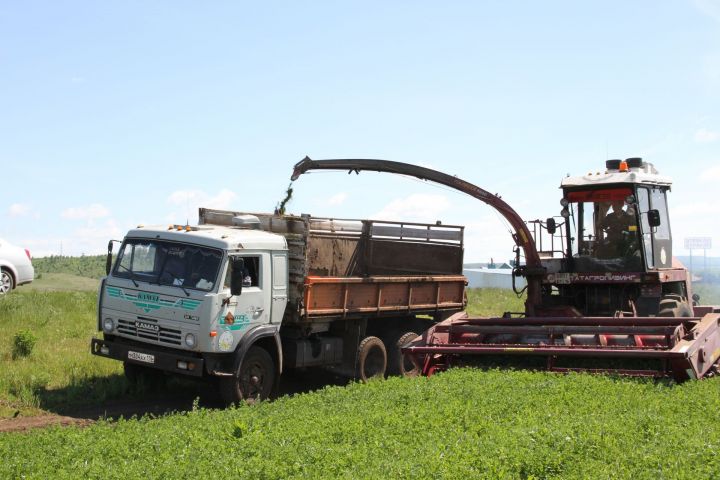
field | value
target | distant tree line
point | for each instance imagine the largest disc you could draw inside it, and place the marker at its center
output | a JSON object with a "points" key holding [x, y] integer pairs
{"points": [[90, 266]]}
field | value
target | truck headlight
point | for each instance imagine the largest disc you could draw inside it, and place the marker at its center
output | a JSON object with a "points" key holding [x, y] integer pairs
{"points": [[190, 340], [108, 325]]}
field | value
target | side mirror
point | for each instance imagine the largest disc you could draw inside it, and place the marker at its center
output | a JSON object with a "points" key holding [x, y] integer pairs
{"points": [[108, 261], [551, 226], [237, 266], [653, 218]]}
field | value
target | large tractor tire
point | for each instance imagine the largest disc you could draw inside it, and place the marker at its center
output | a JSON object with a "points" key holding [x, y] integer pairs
{"points": [[254, 381], [371, 359], [7, 282], [673, 305]]}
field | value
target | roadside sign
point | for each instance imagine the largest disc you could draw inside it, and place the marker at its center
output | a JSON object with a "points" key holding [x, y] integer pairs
{"points": [[698, 243]]}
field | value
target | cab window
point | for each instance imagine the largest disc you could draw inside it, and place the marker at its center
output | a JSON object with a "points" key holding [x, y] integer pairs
{"points": [[251, 273]]}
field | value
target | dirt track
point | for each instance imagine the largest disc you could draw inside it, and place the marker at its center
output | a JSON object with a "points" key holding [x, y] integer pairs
{"points": [[158, 404]]}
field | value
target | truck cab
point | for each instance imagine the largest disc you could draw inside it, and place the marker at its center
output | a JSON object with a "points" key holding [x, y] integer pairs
{"points": [[179, 297]]}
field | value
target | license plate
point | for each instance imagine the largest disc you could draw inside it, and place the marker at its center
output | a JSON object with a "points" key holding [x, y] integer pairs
{"points": [[141, 357]]}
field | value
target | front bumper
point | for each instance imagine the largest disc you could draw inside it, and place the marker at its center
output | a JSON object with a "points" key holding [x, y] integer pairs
{"points": [[167, 361]]}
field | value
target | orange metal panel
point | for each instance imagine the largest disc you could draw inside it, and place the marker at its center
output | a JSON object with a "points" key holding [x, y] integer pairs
{"points": [[355, 295]]}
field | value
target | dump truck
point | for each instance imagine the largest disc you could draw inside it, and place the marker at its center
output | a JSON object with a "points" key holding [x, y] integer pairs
{"points": [[242, 297], [603, 291]]}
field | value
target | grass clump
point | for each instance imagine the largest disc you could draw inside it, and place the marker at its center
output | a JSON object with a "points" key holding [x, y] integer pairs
{"points": [[23, 344]]}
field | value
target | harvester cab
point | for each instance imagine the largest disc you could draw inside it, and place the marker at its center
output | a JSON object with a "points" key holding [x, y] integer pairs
{"points": [[615, 246]]}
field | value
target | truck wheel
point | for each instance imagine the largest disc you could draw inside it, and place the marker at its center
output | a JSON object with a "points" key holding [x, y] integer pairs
{"points": [[143, 377], [254, 381], [673, 306], [6, 281], [394, 355], [372, 359], [406, 366]]}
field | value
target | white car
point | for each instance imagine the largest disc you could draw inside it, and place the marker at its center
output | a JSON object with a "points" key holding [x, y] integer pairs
{"points": [[15, 266]]}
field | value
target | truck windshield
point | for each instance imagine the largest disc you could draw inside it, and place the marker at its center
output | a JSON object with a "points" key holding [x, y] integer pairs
{"points": [[604, 230], [167, 263]]}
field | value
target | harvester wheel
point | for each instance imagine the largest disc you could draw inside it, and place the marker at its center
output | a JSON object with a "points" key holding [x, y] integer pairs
{"points": [[673, 306], [254, 381], [406, 366], [372, 359]]}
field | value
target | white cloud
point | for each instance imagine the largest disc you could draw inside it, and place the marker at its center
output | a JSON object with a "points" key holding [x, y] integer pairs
{"points": [[705, 136], [91, 212], [88, 240], [416, 207], [18, 210], [338, 199], [103, 233]]}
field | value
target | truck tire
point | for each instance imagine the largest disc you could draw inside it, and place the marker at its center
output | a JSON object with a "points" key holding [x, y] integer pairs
{"points": [[406, 366], [145, 378], [394, 355], [372, 359], [673, 306], [7, 283], [254, 381]]}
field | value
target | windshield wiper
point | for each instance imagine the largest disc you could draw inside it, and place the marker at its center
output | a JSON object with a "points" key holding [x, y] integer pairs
{"points": [[131, 274], [179, 284]]}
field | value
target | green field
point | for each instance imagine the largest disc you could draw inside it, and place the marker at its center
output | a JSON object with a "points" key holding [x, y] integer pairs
{"points": [[460, 424], [463, 423], [60, 372], [61, 375]]}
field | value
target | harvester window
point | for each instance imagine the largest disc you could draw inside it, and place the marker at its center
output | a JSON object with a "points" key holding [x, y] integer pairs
{"points": [[658, 202], [604, 230]]}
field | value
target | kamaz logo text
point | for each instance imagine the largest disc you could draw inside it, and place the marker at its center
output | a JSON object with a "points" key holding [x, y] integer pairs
{"points": [[147, 326], [148, 297]]}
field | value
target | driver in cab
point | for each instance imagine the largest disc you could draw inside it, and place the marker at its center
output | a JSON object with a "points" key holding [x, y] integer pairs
{"points": [[619, 230]]}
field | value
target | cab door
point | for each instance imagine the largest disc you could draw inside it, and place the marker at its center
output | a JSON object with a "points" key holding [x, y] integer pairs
{"points": [[249, 309], [662, 240]]}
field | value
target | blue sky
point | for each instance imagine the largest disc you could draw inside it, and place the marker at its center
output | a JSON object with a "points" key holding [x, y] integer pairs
{"points": [[115, 114]]}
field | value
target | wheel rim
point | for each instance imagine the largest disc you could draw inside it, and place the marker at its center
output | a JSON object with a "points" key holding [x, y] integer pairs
{"points": [[5, 283], [253, 380]]}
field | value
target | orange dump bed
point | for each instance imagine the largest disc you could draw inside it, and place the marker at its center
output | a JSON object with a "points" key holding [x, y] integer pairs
{"points": [[345, 296]]}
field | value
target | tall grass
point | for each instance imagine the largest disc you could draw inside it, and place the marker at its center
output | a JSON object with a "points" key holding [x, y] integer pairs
{"points": [[60, 371], [493, 301]]}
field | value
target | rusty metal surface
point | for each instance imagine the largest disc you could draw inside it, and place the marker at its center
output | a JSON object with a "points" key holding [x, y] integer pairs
{"points": [[687, 347], [352, 296], [374, 251]]}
